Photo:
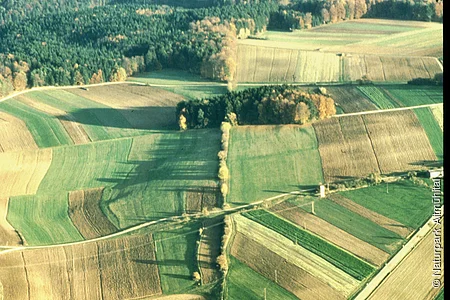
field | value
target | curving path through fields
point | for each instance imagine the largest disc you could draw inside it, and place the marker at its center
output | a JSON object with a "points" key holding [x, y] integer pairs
{"points": [[7, 249]]}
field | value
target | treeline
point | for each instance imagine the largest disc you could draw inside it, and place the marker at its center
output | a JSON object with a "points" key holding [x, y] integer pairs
{"points": [[280, 104], [111, 42], [304, 14]]}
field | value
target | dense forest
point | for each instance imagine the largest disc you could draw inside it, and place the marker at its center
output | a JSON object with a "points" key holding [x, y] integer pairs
{"points": [[282, 104], [60, 42]]}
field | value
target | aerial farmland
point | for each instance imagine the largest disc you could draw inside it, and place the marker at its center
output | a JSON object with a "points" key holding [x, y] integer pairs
{"points": [[229, 150]]}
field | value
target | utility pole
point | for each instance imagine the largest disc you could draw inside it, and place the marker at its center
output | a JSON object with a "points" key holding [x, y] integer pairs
{"points": [[387, 187], [276, 281], [265, 294], [312, 208]]}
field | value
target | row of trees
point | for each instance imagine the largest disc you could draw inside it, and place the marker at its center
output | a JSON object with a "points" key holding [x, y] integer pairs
{"points": [[282, 104]]}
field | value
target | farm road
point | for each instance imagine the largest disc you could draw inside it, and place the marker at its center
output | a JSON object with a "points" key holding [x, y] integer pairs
{"points": [[397, 259], [7, 249]]}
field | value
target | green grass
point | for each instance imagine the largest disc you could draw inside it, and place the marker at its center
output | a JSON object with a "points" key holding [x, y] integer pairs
{"points": [[245, 283], [433, 130], [356, 225], [416, 95], [406, 202], [176, 257], [377, 97], [43, 219], [171, 77], [336, 256], [46, 130], [145, 178], [265, 161], [101, 122]]}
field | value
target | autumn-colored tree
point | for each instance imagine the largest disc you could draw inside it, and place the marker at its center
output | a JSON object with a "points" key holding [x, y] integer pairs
{"points": [[224, 189], [439, 8], [341, 10], [350, 13], [302, 113], [360, 8], [97, 77], [118, 74], [330, 107], [224, 174], [182, 122], [196, 276], [19, 81], [333, 14], [325, 15], [308, 20], [222, 262]]}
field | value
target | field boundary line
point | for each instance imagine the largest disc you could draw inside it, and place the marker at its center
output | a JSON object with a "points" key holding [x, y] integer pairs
{"points": [[397, 259], [7, 249], [385, 110]]}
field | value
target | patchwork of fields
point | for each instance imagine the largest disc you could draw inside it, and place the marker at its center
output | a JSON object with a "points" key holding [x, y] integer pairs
{"points": [[81, 163], [268, 64], [370, 36]]}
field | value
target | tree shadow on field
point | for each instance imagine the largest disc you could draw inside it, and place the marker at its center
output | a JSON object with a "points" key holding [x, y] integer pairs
{"points": [[173, 164], [429, 163], [147, 118]]}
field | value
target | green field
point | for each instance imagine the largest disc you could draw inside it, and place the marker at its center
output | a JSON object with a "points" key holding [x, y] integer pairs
{"points": [[265, 161], [244, 283], [356, 225], [377, 97], [101, 122], [46, 130], [145, 178], [336, 256], [410, 95], [176, 257], [406, 202], [433, 130], [43, 219]]}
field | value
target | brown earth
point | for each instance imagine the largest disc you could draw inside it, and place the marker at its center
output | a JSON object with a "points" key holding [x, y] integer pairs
{"points": [[14, 134], [144, 107], [399, 141], [331, 233], [289, 276], [86, 214], [8, 235], [114, 269], [22, 172], [201, 198], [412, 278], [345, 148], [209, 249], [375, 217], [73, 128], [350, 99]]}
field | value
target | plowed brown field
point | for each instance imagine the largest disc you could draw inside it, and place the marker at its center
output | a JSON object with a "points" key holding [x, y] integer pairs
{"points": [[73, 128], [399, 141], [114, 269], [412, 279], [209, 249], [14, 134], [143, 106], [350, 99], [345, 148], [8, 235], [22, 172], [86, 214]]}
